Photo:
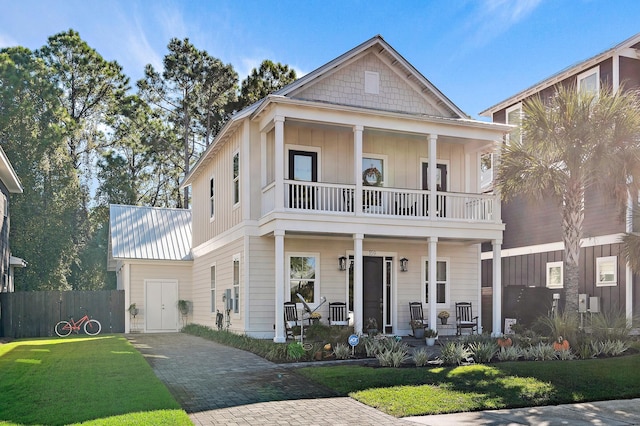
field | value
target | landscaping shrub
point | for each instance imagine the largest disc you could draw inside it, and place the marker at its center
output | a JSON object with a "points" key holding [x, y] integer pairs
{"points": [[483, 351], [455, 353], [420, 357]]}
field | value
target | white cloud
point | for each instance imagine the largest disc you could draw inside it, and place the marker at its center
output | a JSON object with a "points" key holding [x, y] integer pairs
{"points": [[7, 41], [494, 17]]}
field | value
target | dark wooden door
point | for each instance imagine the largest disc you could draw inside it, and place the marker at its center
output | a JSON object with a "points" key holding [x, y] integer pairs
{"points": [[372, 290]]}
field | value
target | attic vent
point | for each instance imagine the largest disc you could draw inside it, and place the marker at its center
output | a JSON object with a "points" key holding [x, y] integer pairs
{"points": [[371, 82]]}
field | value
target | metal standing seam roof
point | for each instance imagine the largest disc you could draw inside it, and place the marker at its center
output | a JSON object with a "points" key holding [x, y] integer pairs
{"points": [[150, 233]]}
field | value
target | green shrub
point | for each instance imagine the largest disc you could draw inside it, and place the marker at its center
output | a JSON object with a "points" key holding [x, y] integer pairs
{"points": [[455, 353], [610, 325], [510, 353], [392, 357], [295, 351], [565, 324], [483, 351], [342, 351], [420, 357], [540, 352]]}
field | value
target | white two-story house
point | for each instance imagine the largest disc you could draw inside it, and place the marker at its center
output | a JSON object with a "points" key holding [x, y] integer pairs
{"points": [[357, 183]]}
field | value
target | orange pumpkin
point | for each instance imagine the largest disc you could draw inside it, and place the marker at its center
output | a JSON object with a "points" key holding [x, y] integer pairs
{"points": [[561, 344], [504, 342]]}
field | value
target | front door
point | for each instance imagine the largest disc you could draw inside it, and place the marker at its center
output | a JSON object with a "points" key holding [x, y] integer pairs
{"points": [[303, 167], [441, 185], [161, 305], [372, 297]]}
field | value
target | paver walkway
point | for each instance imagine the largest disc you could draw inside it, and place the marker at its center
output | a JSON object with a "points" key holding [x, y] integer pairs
{"points": [[219, 385]]}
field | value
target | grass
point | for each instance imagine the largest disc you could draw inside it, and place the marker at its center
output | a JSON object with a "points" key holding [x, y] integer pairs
{"points": [[405, 392], [90, 380]]}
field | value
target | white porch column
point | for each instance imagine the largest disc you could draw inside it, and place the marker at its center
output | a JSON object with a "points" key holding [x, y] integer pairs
{"points": [[280, 336], [628, 294], [433, 288], [357, 167], [357, 282], [279, 163], [433, 165], [497, 288], [263, 159]]}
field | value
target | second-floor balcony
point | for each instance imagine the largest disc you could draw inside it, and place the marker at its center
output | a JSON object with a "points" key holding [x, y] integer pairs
{"points": [[338, 199]]}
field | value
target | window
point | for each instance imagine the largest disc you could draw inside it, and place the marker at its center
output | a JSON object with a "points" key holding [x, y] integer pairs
{"points": [[372, 171], [589, 81], [236, 283], [236, 178], [213, 289], [303, 277], [514, 117], [212, 193], [442, 281], [607, 271], [555, 277]]}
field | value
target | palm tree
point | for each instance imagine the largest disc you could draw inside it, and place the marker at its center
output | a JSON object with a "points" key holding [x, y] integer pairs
{"points": [[573, 141]]}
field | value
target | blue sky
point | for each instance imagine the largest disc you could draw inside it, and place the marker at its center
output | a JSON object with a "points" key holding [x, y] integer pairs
{"points": [[477, 52]]}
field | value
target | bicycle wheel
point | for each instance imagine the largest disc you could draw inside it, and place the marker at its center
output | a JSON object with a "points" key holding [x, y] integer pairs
{"points": [[63, 328], [92, 327]]}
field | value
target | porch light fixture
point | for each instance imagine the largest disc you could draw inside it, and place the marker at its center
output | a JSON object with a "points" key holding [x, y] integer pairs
{"points": [[403, 264], [342, 263]]}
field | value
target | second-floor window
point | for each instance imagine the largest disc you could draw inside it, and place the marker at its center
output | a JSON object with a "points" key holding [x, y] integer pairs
{"points": [[607, 271], [212, 193], [236, 178], [514, 117], [589, 81]]}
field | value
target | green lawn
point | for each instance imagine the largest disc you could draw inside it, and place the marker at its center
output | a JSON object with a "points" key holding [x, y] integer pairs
{"points": [[420, 391], [98, 380]]}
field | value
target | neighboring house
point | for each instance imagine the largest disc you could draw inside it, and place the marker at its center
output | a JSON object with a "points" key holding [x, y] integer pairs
{"points": [[533, 250], [150, 251], [9, 184], [345, 185]]}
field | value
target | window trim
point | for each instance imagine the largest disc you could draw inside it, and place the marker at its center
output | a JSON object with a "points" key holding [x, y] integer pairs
{"points": [[599, 262], [304, 148], [551, 265], [588, 73], [425, 283], [235, 283], [316, 280]]}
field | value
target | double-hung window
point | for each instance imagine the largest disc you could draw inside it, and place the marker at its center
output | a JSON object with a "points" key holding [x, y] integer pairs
{"points": [[514, 117], [555, 276], [213, 289], [607, 271], [442, 282], [303, 277], [236, 283], [212, 193], [236, 178]]}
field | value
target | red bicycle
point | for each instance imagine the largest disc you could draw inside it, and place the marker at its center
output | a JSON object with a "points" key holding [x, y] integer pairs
{"points": [[91, 326]]}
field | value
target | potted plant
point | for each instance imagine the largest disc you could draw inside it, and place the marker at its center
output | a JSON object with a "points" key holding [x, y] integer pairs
{"points": [[418, 328], [315, 317], [133, 311], [430, 336], [371, 326], [444, 316], [183, 306]]}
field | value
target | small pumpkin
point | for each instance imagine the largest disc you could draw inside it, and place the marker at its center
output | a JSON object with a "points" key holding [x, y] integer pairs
{"points": [[327, 347], [561, 344], [504, 342]]}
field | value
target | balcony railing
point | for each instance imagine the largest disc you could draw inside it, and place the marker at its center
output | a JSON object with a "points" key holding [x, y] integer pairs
{"points": [[327, 198]]}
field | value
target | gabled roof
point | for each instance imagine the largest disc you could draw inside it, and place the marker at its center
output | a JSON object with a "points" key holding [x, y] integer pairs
{"points": [[396, 60], [565, 73], [8, 174], [149, 233]]}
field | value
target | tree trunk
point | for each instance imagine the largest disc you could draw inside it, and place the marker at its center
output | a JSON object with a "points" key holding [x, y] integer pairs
{"points": [[572, 218]]}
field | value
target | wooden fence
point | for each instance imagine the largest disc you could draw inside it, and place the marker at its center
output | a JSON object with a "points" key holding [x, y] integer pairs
{"points": [[35, 313]]}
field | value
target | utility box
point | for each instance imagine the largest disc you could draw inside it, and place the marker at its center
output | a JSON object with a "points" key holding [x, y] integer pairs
{"points": [[582, 302], [594, 304]]}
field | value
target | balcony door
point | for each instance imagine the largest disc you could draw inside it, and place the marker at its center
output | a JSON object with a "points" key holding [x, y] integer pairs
{"points": [[441, 186], [303, 167]]}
